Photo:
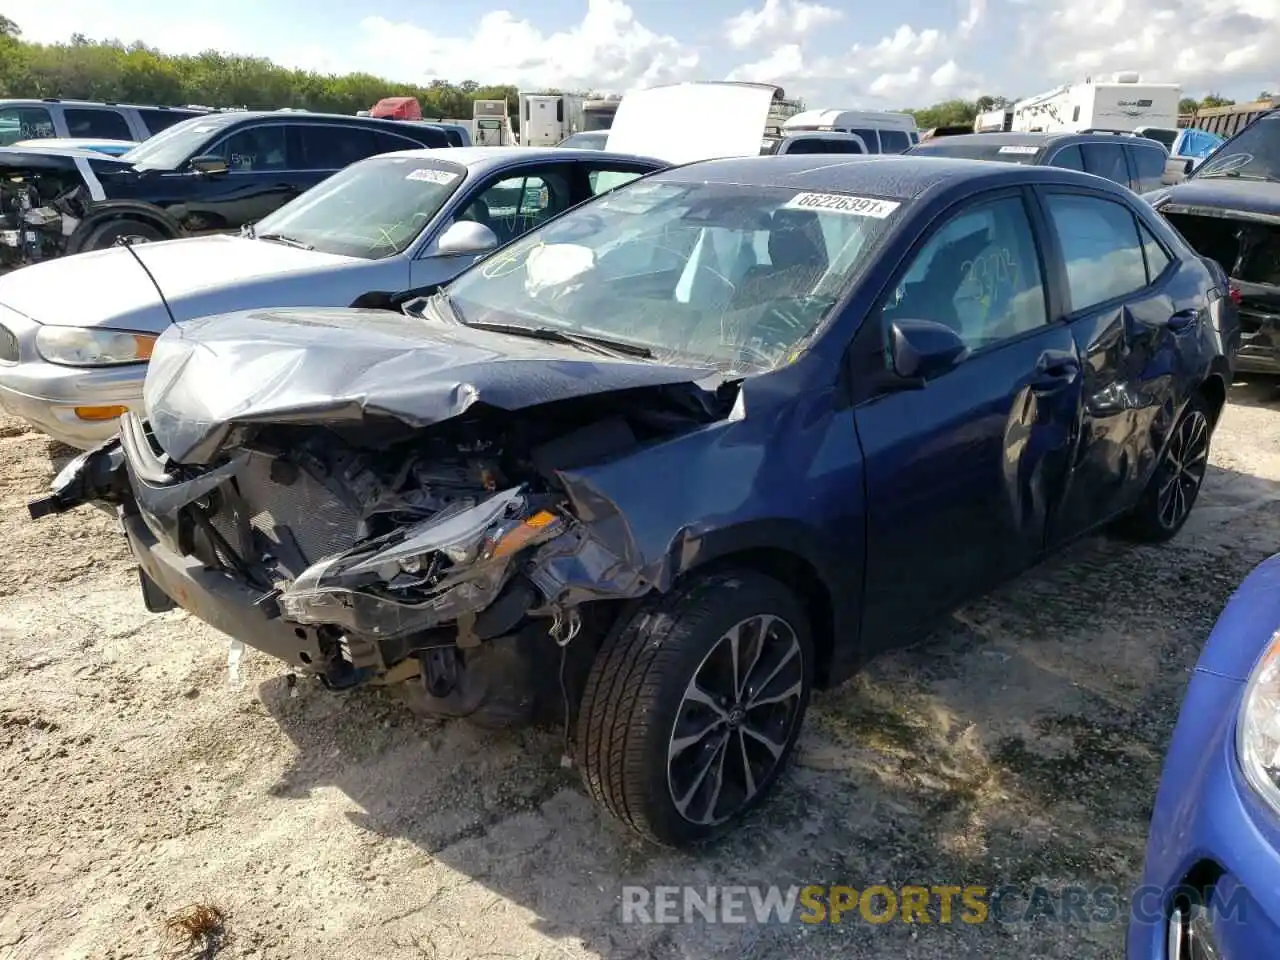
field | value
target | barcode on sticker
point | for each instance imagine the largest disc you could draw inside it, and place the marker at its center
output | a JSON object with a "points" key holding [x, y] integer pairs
{"points": [[1021, 149], [842, 203], [432, 176]]}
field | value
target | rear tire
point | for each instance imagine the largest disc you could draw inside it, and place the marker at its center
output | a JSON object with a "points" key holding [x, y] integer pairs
{"points": [[671, 740], [1175, 483], [113, 232]]}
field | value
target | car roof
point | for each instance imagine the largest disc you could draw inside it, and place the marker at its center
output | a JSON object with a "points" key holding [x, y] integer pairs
{"points": [[479, 160], [886, 175], [48, 101]]}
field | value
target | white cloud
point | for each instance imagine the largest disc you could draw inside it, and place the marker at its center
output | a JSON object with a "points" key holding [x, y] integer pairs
{"points": [[977, 9], [609, 50], [904, 46], [1202, 44], [786, 61], [778, 18]]}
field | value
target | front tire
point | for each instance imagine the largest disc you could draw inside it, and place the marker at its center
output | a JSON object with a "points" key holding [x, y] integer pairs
{"points": [[693, 706], [115, 232], [1175, 483]]}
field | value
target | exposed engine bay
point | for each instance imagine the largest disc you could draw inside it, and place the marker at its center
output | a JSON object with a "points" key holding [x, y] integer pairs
{"points": [[39, 211], [1249, 251], [405, 552]]}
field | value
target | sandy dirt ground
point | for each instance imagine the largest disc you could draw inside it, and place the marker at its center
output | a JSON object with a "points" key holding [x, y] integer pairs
{"points": [[1020, 744]]}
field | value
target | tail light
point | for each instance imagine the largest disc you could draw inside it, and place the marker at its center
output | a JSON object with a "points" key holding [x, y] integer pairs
{"points": [[1234, 293]]}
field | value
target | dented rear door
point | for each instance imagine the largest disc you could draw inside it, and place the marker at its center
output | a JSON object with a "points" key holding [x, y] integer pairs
{"points": [[1136, 331]]}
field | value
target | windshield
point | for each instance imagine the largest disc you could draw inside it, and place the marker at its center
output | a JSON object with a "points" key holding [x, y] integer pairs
{"points": [[974, 149], [1253, 154], [731, 276], [171, 147], [373, 209]]}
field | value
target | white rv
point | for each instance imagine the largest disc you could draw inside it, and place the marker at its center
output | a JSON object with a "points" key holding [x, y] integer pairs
{"points": [[881, 130], [999, 120], [1121, 102], [547, 118]]}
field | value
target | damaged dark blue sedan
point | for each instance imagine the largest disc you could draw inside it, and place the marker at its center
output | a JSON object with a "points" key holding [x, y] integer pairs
{"points": [[682, 454]]}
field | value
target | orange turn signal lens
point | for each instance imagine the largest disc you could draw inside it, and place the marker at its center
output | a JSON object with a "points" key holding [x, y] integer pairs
{"points": [[98, 414], [520, 537]]}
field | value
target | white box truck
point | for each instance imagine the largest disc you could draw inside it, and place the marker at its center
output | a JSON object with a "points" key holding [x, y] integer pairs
{"points": [[1120, 102], [547, 118]]}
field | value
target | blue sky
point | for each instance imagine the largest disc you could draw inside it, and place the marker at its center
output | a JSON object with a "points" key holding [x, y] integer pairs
{"points": [[832, 52]]}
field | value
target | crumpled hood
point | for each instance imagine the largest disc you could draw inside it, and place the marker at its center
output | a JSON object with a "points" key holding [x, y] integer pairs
{"points": [[1224, 193], [107, 287], [336, 365]]}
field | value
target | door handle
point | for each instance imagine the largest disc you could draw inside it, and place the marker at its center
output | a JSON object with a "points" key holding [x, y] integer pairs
{"points": [[1182, 320], [1055, 370]]}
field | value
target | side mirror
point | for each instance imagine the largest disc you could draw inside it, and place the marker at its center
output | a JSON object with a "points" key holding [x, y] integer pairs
{"points": [[1188, 167], [466, 237], [920, 350], [210, 166]]}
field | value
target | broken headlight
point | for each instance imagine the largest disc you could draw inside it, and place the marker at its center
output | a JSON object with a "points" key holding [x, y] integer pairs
{"points": [[90, 347], [1258, 727], [455, 563]]}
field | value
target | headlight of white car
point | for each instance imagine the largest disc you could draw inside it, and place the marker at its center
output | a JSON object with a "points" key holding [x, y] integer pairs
{"points": [[88, 347], [1258, 728]]}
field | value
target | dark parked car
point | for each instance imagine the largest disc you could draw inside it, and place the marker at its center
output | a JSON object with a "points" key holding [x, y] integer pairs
{"points": [[1229, 209], [213, 172], [1135, 162], [691, 449], [86, 119]]}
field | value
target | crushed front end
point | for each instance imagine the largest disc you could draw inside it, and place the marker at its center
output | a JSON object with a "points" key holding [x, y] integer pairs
{"points": [[1247, 245], [40, 208], [447, 557]]}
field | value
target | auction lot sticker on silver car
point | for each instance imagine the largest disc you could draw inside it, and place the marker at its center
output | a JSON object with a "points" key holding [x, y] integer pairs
{"points": [[843, 203]]}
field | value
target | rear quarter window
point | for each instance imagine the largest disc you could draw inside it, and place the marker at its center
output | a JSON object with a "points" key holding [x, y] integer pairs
{"points": [[894, 141], [96, 124], [157, 120]]}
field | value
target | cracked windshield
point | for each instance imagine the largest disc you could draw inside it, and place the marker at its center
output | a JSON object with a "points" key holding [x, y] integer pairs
{"points": [[732, 277]]}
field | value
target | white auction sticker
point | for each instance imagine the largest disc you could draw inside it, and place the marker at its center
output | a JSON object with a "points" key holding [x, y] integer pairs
{"points": [[432, 176], [1021, 149], [842, 203]]}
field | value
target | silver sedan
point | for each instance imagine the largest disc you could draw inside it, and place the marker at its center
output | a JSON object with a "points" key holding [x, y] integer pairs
{"points": [[76, 333]]}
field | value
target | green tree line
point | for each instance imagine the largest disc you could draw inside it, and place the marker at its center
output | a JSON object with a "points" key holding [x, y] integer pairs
{"points": [[135, 73]]}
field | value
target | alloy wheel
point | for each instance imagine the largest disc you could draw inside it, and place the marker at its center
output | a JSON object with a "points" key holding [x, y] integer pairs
{"points": [[1182, 469], [735, 720]]}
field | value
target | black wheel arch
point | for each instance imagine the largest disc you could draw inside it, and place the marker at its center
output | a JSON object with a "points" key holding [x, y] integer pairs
{"points": [[120, 210], [828, 584]]}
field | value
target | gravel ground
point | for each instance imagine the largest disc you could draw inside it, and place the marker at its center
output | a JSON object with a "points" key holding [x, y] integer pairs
{"points": [[1021, 743]]}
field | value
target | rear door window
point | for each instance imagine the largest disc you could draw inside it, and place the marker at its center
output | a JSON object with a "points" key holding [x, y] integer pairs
{"points": [[870, 139], [97, 124], [1148, 167], [894, 141], [1100, 244], [332, 147], [1106, 160], [389, 143], [602, 179], [24, 123]]}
